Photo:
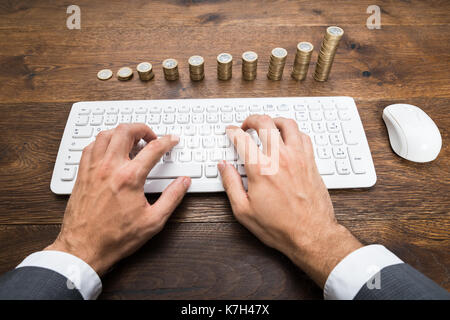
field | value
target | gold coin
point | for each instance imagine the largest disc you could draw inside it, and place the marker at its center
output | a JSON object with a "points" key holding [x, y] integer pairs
{"points": [[124, 74], [104, 74], [145, 71]]}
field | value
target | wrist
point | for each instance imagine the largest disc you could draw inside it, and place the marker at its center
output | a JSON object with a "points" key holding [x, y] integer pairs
{"points": [[64, 246], [318, 255]]}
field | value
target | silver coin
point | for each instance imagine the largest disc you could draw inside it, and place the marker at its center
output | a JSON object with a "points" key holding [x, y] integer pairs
{"points": [[250, 56], [305, 46], [335, 31], [144, 67], [170, 63], [104, 74], [279, 52], [224, 57], [196, 60], [125, 72]]}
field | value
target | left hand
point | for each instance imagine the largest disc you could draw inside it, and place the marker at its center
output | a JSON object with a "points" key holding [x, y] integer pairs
{"points": [[108, 216]]}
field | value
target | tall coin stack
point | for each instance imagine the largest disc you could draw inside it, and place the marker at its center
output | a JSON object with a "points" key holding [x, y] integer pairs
{"points": [[170, 68], [302, 59], [327, 52], [276, 64], [249, 65], [196, 68], [145, 71], [224, 66]]}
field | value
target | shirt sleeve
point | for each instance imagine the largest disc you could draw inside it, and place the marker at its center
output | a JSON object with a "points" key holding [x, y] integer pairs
{"points": [[355, 270], [79, 274]]}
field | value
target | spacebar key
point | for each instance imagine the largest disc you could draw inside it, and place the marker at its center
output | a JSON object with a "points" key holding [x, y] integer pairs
{"points": [[173, 170]]}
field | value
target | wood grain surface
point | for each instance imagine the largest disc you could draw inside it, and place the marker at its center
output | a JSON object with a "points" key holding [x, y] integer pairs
{"points": [[204, 252]]}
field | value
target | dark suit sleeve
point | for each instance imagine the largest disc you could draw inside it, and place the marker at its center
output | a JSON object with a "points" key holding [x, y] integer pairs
{"points": [[403, 282], [35, 283]]}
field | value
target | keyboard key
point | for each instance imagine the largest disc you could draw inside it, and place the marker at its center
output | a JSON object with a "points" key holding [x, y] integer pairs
{"points": [[193, 142], [300, 107], [185, 156], [215, 155], [159, 130], [82, 120], [333, 127], [96, 120], [269, 107], [209, 142], [79, 144], [169, 156], [240, 117], [141, 110], [356, 160], [84, 111], [174, 170], [190, 130], [344, 115], [219, 129], [175, 129], [168, 118], [315, 115], [184, 109], [84, 132], [240, 108], [339, 153], [155, 109], [73, 158], [98, 111], [199, 155], [324, 153], [304, 127], [223, 142], [197, 118], [68, 173], [318, 127], [126, 110], [325, 167], [154, 119], [112, 110], [139, 118], [211, 170], [170, 109], [336, 139], [328, 105], [314, 106], [330, 115], [350, 133], [111, 119], [205, 130], [255, 108], [227, 117], [125, 118], [321, 139], [283, 107], [212, 118], [301, 116], [183, 118], [342, 167], [212, 109], [226, 108]]}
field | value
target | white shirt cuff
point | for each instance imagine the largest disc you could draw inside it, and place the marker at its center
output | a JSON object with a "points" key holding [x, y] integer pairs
{"points": [[80, 275], [355, 270]]}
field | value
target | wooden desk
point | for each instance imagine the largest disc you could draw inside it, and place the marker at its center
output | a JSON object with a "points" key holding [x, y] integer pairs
{"points": [[203, 252]]}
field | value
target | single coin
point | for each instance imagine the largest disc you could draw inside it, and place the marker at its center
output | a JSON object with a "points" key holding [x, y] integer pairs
{"points": [[335, 31], [170, 63], [124, 73], [305, 46], [279, 52], [196, 60], [104, 74], [224, 58], [144, 67], [250, 56]]}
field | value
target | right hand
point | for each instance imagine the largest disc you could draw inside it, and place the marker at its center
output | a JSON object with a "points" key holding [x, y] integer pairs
{"points": [[289, 209]]}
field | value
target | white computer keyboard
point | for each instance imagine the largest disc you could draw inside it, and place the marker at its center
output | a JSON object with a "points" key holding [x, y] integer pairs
{"points": [[341, 150]]}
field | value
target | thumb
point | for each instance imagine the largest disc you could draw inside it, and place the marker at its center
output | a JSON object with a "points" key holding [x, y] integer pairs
{"points": [[170, 198], [234, 188]]}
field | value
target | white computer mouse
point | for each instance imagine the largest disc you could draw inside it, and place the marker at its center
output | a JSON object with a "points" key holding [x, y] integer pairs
{"points": [[412, 133]]}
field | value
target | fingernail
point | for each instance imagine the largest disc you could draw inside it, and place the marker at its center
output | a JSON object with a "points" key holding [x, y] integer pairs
{"points": [[187, 182], [221, 166]]}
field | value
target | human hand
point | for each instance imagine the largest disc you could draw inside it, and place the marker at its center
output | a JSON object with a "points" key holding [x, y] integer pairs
{"points": [[288, 209], [108, 216]]}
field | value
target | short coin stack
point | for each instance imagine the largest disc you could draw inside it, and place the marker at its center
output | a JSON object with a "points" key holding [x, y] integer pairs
{"points": [[276, 64], [224, 66], [302, 59], [145, 71], [170, 68], [196, 68], [124, 74], [327, 52], [249, 65]]}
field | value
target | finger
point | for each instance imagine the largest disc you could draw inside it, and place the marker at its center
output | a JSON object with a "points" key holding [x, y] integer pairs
{"points": [[170, 198], [307, 146], [266, 129], [85, 159], [234, 188], [101, 144], [125, 136], [149, 156], [245, 147], [289, 131]]}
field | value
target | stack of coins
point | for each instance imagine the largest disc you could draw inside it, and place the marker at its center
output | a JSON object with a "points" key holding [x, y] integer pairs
{"points": [[145, 71], [302, 59], [327, 52], [276, 64], [224, 66], [124, 74], [249, 65], [196, 68], [104, 74], [170, 68]]}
